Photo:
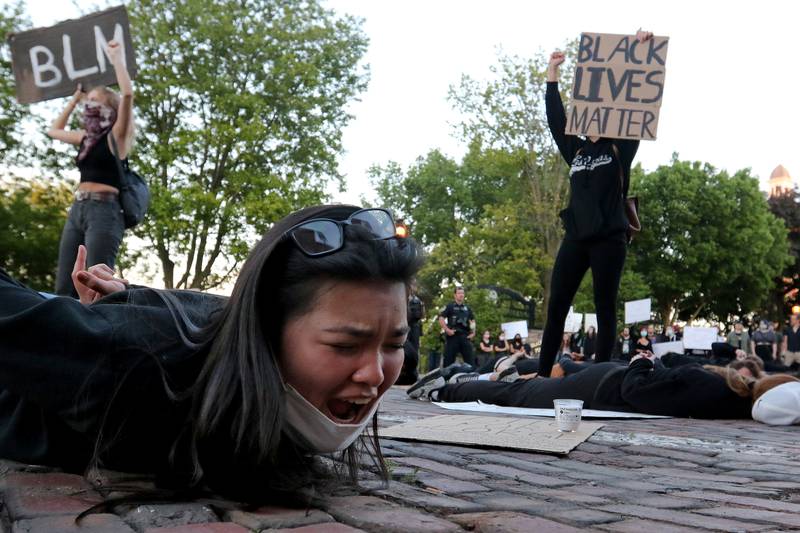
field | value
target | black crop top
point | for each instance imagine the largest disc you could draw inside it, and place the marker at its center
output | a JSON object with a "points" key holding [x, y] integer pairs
{"points": [[99, 165]]}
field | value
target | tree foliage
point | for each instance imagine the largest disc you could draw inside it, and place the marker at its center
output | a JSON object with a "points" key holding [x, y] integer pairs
{"points": [[787, 288], [511, 162], [241, 105], [439, 196], [12, 114], [32, 215], [710, 245]]}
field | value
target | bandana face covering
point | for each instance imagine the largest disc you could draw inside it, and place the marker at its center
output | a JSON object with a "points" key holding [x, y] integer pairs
{"points": [[310, 428], [97, 121]]}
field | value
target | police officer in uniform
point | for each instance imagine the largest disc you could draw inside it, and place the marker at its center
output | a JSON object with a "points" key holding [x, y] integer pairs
{"points": [[458, 322]]}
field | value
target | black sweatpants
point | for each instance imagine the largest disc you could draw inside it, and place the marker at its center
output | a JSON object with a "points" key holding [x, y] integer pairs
{"points": [[458, 344], [537, 392], [606, 259]]}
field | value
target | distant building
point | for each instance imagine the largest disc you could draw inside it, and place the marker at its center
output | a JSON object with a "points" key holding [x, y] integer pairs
{"points": [[780, 182]]}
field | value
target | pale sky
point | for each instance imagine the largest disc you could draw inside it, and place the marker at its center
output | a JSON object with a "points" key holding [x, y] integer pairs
{"points": [[731, 85]]}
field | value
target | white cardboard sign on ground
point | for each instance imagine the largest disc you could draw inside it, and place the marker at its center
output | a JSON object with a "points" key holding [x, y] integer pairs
{"points": [[637, 311], [573, 322], [589, 319], [512, 328], [699, 338], [661, 348], [480, 407], [494, 431]]}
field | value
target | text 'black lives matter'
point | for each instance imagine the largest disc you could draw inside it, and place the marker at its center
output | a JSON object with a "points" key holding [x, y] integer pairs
{"points": [[618, 86]]}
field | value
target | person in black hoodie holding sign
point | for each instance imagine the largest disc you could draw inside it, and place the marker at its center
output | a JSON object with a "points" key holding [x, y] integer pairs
{"points": [[595, 222]]}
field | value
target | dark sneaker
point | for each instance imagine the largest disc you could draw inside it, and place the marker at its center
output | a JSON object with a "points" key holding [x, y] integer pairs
{"points": [[432, 381], [509, 375], [463, 377]]}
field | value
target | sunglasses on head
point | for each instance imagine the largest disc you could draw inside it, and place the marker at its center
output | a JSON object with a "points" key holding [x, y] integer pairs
{"points": [[320, 236]]}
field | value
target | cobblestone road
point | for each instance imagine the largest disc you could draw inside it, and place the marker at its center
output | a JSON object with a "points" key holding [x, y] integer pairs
{"points": [[648, 476]]}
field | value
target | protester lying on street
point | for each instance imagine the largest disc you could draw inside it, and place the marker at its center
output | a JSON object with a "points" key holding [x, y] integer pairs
{"points": [[750, 367], [233, 394], [642, 387]]}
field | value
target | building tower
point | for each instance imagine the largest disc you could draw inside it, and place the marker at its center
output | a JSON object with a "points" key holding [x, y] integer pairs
{"points": [[780, 182]]}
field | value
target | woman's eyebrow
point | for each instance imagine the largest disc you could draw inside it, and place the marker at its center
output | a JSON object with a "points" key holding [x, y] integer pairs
{"points": [[355, 331]]}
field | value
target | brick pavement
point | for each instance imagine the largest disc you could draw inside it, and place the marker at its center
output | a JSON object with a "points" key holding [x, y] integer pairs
{"points": [[631, 476]]}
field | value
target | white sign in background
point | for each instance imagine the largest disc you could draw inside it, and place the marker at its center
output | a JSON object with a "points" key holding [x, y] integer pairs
{"points": [[573, 322], [699, 338], [662, 348], [638, 311], [589, 319], [512, 328]]}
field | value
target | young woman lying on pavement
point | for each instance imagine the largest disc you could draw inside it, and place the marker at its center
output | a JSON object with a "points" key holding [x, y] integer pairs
{"points": [[234, 394], [642, 387]]}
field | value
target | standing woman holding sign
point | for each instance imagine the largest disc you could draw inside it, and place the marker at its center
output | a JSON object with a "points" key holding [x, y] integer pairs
{"points": [[95, 218], [595, 222]]}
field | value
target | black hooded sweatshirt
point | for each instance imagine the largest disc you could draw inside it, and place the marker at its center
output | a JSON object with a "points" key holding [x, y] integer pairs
{"points": [[688, 391], [596, 208]]}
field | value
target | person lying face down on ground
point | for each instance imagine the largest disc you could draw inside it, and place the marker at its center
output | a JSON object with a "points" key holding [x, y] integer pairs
{"points": [[231, 394], [688, 391]]}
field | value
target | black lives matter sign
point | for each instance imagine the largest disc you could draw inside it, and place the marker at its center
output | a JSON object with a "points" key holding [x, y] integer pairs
{"points": [[618, 86], [50, 62]]}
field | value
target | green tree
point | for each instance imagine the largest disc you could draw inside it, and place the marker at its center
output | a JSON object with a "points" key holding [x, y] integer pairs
{"points": [[492, 252], [12, 114], [439, 196], [787, 287], [511, 160], [32, 215], [710, 245], [429, 196], [508, 113], [241, 105]]}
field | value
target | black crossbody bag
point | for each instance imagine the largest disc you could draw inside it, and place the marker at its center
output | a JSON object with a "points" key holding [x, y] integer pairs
{"points": [[134, 195]]}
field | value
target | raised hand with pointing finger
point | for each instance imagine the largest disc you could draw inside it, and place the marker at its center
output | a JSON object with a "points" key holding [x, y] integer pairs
{"points": [[95, 282]]}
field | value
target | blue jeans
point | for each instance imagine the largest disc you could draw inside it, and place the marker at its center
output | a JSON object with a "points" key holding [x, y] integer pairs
{"points": [[97, 225]]}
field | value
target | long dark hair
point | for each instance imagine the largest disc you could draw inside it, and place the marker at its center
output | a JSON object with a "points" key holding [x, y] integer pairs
{"points": [[237, 410], [239, 389]]}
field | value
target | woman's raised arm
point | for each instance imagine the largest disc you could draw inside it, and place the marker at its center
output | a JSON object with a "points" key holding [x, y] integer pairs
{"points": [[122, 127], [58, 129]]}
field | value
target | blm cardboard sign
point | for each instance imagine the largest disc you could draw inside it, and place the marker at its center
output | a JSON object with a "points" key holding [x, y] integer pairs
{"points": [[50, 62], [618, 86]]}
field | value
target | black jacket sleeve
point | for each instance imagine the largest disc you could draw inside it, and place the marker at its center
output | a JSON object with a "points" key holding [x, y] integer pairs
{"points": [[49, 348], [684, 391], [70, 359], [568, 145]]}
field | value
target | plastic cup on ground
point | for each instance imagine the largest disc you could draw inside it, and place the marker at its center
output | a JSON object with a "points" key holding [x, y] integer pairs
{"points": [[568, 414]]}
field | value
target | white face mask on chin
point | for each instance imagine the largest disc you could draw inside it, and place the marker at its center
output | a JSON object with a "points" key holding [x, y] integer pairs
{"points": [[311, 429]]}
